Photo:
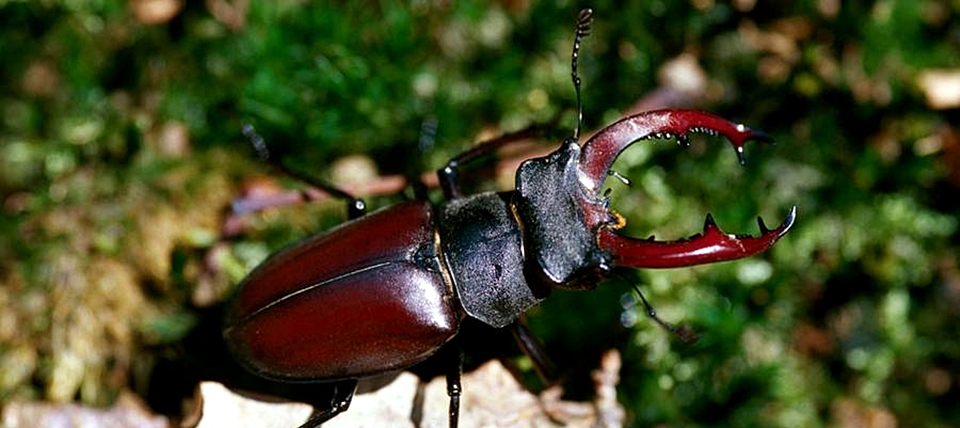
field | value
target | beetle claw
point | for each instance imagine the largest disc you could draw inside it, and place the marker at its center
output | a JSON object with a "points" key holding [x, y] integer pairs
{"points": [[709, 223], [602, 149], [713, 245], [763, 226]]}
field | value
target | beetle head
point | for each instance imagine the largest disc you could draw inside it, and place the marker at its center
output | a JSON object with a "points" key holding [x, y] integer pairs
{"points": [[567, 223]]}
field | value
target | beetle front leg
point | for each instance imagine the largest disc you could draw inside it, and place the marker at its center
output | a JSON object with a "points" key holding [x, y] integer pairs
{"points": [[449, 175]]}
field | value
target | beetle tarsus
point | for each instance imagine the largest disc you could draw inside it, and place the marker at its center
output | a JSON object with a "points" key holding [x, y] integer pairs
{"points": [[454, 389], [356, 207], [416, 410]]}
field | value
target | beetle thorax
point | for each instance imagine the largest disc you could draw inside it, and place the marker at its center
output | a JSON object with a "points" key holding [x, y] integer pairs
{"points": [[483, 252]]}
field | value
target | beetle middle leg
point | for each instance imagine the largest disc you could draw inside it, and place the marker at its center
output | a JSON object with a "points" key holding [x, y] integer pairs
{"points": [[533, 349]]}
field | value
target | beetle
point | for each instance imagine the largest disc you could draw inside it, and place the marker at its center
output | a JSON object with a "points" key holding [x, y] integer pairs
{"points": [[388, 289]]}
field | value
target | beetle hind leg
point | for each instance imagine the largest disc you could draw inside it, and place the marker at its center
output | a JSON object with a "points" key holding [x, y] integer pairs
{"points": [[343, 394]]}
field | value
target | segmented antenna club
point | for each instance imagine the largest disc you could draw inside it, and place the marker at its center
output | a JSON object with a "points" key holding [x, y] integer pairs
{"points": [[584, 20]]}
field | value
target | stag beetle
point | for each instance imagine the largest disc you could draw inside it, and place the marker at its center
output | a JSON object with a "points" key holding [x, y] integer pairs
{"points": [[386, 290]]}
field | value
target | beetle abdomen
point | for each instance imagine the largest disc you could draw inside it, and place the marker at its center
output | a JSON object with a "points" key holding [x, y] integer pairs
{"points": [[366, 298]]}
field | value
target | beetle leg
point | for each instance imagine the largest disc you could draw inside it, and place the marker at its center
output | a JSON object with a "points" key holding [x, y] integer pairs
{"points": [[713, 245], [416, 410], [449, 175], [454, 389], [532, 348], [343, 394], [356, 207]]}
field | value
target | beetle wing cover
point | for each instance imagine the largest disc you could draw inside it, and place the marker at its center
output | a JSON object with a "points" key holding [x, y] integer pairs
{"points": [[359, 300]]}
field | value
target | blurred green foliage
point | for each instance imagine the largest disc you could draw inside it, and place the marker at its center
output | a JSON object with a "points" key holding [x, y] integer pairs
{"points": [[120, 150]]}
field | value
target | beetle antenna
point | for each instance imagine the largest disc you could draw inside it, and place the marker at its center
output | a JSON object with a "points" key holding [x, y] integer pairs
{"points": [[684, 332], [584, 20], [256, 141]]}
